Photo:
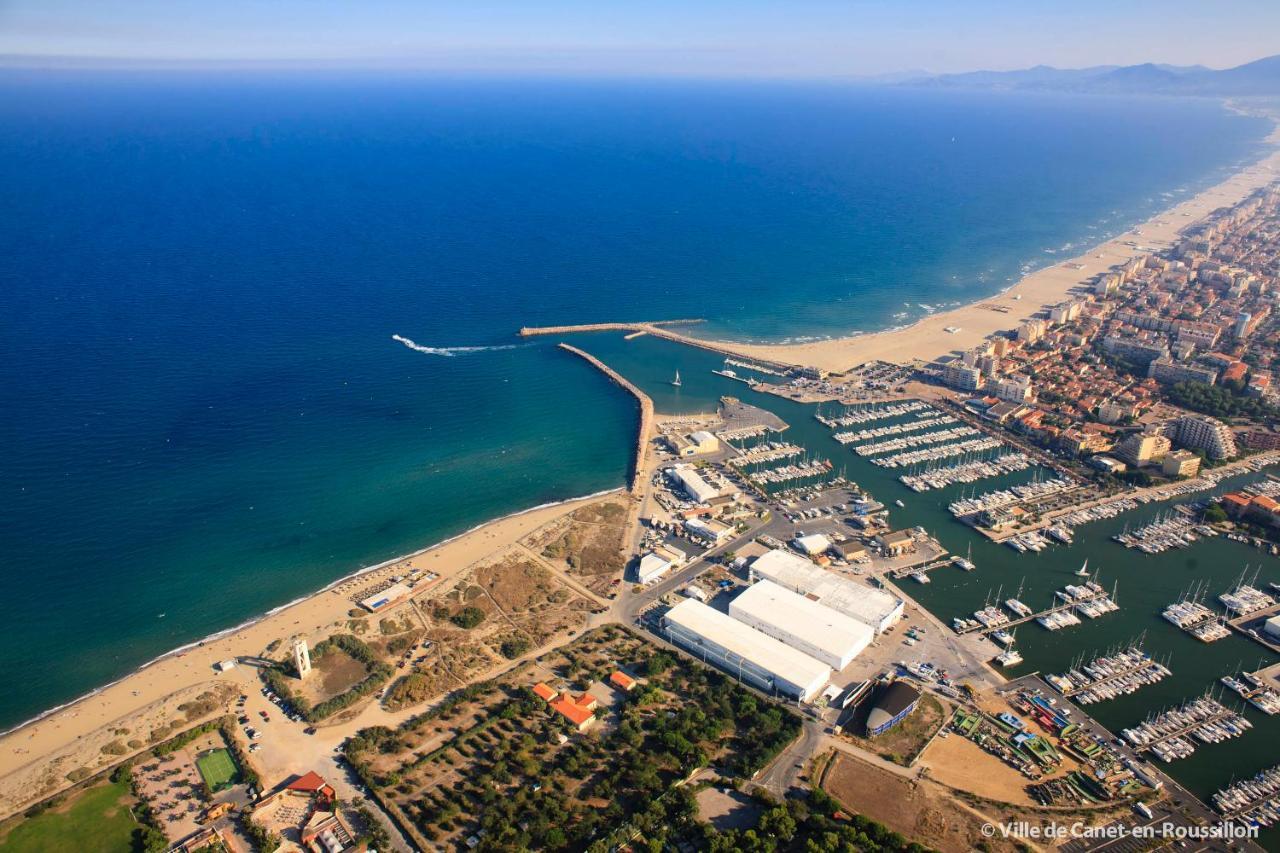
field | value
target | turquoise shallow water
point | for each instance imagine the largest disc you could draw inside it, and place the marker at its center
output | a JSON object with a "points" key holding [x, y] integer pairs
{"points": [[203, 409]]}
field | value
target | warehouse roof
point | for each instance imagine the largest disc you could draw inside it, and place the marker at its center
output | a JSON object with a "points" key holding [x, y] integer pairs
{"points": [[746, 642], [860, 601], [820, 627], [814, 543], [697, 487]]}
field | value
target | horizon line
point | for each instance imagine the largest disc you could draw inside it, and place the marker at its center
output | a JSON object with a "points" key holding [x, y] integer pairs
{"points": [[69, 62]]}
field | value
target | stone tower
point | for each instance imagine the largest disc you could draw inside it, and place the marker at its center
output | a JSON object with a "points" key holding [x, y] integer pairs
{"points": [[301, 658]]}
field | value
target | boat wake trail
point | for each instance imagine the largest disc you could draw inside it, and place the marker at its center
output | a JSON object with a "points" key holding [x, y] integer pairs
{"points": [[450, 352]]}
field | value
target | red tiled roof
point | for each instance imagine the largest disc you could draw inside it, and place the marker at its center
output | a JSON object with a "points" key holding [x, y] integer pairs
{"points": [[1266, 503], [571, 710], [312, 781], [544, 692]]}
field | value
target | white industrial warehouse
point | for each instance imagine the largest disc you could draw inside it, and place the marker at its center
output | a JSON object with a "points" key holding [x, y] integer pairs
{"points": [[692, 483], [872, 607], [742, 651], [802, 623]]}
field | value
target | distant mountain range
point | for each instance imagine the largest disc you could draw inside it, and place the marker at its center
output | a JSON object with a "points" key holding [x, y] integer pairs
{"points": [[1261, 77]]}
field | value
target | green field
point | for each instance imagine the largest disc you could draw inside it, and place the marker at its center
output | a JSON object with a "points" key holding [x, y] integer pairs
{"points": [[97, 821], [217, 768]]}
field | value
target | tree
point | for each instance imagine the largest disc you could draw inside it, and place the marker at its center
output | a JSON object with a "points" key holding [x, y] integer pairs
{"points": [[514, 647], [468, 617], [658, 664], [148, 839], [1215, 514]]}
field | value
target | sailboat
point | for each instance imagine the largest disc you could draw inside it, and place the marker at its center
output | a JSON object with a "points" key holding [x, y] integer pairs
{"points": [[965, 562], [1010, 656], [676, 382], [1083, 571]]}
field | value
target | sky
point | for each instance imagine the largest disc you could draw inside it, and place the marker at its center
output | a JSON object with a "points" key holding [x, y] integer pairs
{"points": [[785, 38]]}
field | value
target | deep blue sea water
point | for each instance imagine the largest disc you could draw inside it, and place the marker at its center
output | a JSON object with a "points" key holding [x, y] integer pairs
{"points": [[203, 413]]}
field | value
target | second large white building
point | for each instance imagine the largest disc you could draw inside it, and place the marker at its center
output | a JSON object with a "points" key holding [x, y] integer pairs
{"points": [[872, 607], [802, 623]]}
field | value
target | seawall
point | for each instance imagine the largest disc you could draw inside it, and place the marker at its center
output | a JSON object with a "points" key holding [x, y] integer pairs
{"points": [[722, 348], [646, 413], [656, 328], [530, 331]]}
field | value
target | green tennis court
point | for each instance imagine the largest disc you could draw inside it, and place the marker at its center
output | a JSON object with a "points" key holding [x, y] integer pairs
{"points": [[217, 768]]}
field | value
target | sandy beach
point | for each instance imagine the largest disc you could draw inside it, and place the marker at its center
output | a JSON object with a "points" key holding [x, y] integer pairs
{"points": [[928, 339], [35, 758]]}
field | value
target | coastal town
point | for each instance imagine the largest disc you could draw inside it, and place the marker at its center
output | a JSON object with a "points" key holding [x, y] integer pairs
{"points": [[742, 643]]}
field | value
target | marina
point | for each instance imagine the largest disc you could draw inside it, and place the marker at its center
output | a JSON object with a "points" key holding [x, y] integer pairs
{"points": [[939, 477], [894, 429], [923, 570], [1117, 673], [789, 475], [1244, 599], [1255, 801], [1100, 512], [729, 374], [1089, 599], [1192, 615], [910, 441], [933, 454], [1169, 530], [1151, 581], [769, 451], [755, 366], [1032, 542], [854, 415], [1255, 691], [1171, 735], [1005, 497]]}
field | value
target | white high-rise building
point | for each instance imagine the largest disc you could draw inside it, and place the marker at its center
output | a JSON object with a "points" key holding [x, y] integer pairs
{"points": [[1013, 389], [1201, 432]]}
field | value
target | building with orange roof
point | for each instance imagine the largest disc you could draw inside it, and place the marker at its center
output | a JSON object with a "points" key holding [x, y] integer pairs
{"points": [[312, 783], [1236, 372], [579, 710], [622, 681], [544, 692], [1235, 504], [1264, 509], [303, 809]]}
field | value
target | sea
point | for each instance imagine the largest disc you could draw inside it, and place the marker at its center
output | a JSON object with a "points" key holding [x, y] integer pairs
{"points": [[257, 329]]}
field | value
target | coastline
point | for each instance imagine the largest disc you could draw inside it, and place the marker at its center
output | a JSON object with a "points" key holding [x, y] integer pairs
{"points": [[39, 749], [928, 339], [166, 677]]}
